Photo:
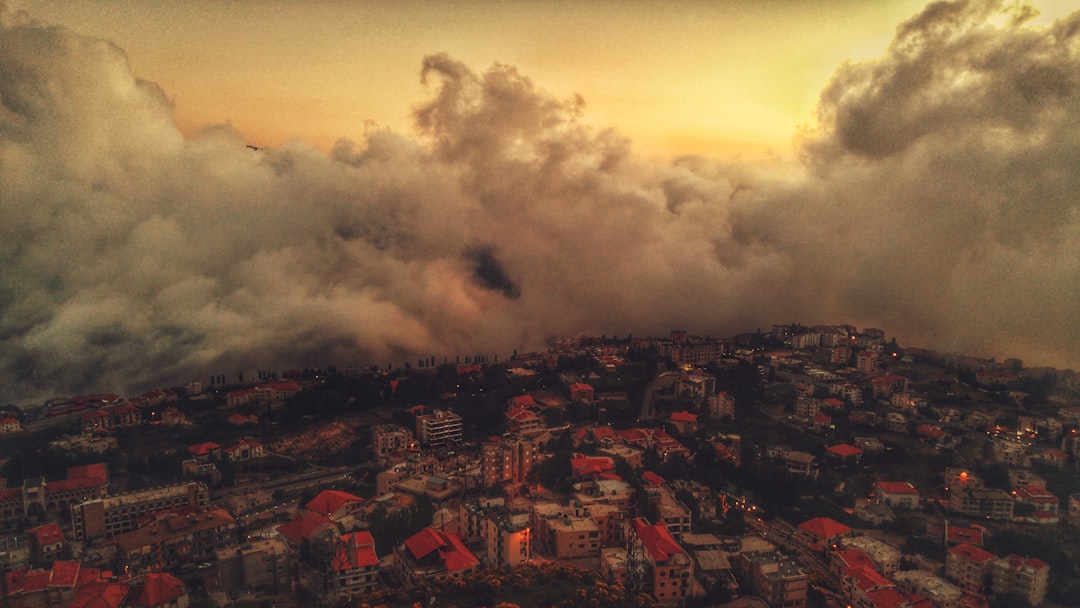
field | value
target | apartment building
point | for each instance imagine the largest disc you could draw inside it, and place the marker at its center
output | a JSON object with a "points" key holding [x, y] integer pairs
{"points": [[1024, 576], [669, 569], [969, 567], [438, 428], [113, 515], [506, 460], [778, 580], [176, 539], [258, 566]]}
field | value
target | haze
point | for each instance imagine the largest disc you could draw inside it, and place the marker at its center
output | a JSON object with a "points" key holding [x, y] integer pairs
{"points": [[932, 191]]}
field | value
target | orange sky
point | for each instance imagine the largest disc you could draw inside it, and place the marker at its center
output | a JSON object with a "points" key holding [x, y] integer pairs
{"points": [[731, 78]]}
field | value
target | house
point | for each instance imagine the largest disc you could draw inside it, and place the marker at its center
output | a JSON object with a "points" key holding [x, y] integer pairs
{"points": [[820, 533], [47, 543], [433, 556], [523, 420], [1041, 499], [582, 392], [684, 422], [336, 505], [304, 527], [9, 424], [896, 494], [845, 452], [205, 451]]}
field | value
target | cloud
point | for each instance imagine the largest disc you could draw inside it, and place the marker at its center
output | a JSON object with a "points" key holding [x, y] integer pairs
{"points": [[938, 199]]}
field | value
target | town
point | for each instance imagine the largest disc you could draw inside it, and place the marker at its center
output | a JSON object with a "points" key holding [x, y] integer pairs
{"points": [[789, 467]]}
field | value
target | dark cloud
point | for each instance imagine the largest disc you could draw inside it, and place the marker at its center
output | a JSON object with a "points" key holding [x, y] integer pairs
{"points": [[939, 199]]}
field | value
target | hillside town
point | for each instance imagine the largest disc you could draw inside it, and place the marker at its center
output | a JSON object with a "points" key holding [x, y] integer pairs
{"points": [[790, 467]]}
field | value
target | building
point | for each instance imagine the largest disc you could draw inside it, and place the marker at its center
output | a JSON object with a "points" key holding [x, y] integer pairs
{"points": [[258, 566], [696, 387], [46, 543], [9, 424], [507, 459], [336, 505], [669, 569], [159, 590], [565, 532], [885, 557], [390, 439], [969, 567], [939, 591], [176, 539], [582, 392], [778, 580], [866, 362], [1024, 576], [114, 515], [524, 421], [988, 503], [433, 556], [820, 533], [243, 450], [896, 494], [507, 538], [82, 483], [663, 506], [355, 565], [722, 405], [438, 428]]}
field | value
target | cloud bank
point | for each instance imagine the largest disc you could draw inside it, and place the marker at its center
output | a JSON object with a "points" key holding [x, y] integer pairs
{"points": [[938, 197]]}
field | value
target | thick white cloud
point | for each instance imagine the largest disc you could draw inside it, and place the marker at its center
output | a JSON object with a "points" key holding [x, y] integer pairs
{"points": [[939, 199]]}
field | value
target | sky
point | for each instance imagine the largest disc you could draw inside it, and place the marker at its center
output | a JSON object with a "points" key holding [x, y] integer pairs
{"points": [[432, 181]]}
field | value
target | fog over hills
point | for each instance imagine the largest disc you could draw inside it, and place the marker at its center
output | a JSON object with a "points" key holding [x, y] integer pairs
{"points": [[938, 197]]}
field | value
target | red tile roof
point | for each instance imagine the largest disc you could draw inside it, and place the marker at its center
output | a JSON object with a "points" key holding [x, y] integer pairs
{"points": [[356, 550], [304, 526], [888, 597], [329, 501], [525, 401], [457, 557], [47, 534], [160, 588], [824, 527], [896, 487], [100, 594], [64, 573], [591, 465], [844, 450], [854, 558], [656, 539], [80, 478], [653, 479], [972, 553], [868, 578], [958, 534], [682, 416], [424, 542], [202, 449], [452, 551]]}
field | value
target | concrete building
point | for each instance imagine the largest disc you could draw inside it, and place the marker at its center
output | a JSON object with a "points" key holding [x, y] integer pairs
{"points": [[669, 569], [969, 567], [175, 539], [778, 580], [390, 439], [506, 460], [1024, 576], [258, 566], [896, 494], [885, 557], [439, 428], [941, 592], [107, 517]]}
